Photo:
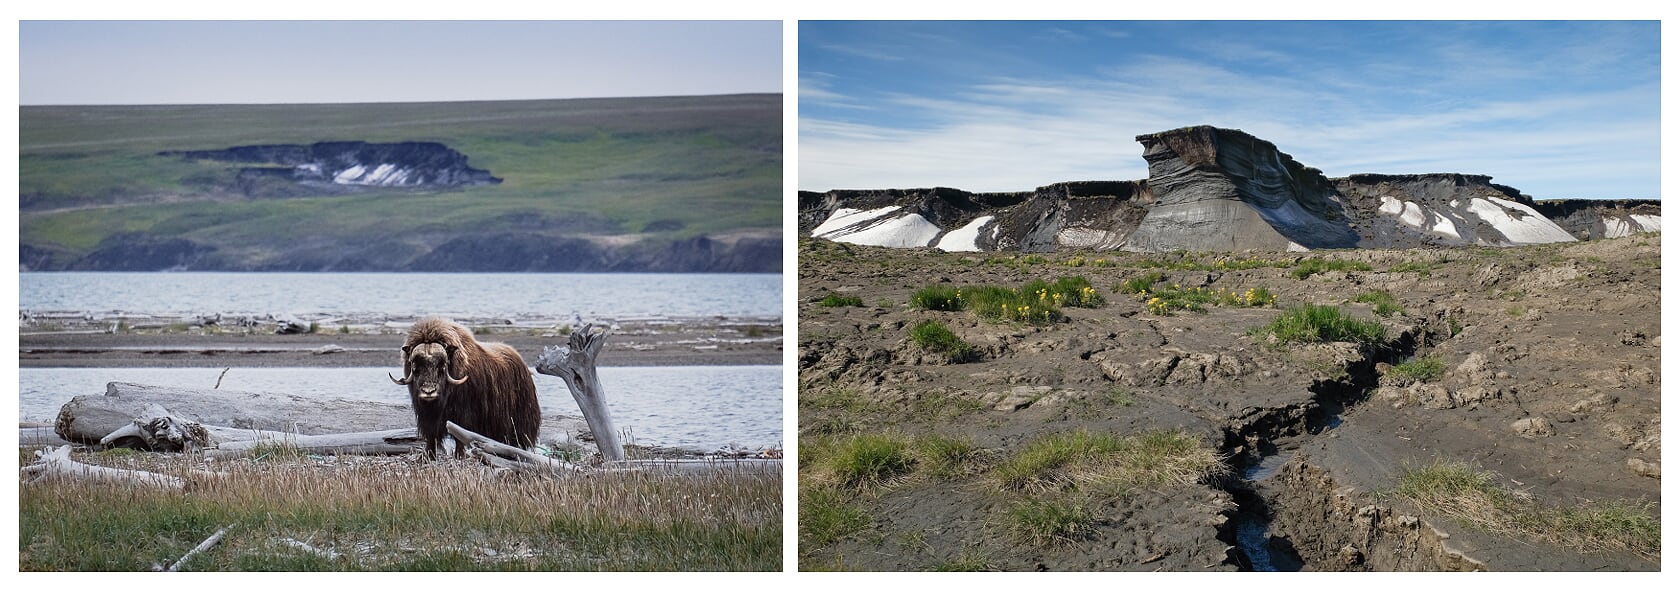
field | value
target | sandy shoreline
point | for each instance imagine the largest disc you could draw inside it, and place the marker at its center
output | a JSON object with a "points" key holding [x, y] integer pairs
{"points": [[663, 342]]}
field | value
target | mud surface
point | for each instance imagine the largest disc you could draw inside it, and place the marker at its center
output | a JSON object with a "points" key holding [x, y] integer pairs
{"points": [[1550, 382]]}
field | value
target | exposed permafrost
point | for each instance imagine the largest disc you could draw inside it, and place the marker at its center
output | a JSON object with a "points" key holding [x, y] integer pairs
{"points": [[966, 238], [1518, 223]]}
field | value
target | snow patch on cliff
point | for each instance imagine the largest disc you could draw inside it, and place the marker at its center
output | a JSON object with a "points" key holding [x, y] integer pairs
{"points": [[843, 218], [966, 238], [1527, 228]]}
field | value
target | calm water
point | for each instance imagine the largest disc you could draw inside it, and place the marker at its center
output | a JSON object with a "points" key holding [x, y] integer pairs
{"points": [[706, 407], [404, 295]]}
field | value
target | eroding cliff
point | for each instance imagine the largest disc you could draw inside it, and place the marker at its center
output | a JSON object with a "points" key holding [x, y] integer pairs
{"points": [[1603, 219], [1226, 190], [1215, 189], [324, 167]]}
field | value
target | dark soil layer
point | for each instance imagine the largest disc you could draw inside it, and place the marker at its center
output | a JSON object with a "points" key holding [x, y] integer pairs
{"points": [[1548, 379]]}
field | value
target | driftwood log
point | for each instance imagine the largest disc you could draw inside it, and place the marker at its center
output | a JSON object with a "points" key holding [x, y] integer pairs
{"points": [[162, 418], [87, 419], [505, 456], [56, 463], [574, 363], [159, 430]]}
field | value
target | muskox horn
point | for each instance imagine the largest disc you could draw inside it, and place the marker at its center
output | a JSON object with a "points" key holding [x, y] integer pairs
{"points": [[452, 379], [403, 382]]}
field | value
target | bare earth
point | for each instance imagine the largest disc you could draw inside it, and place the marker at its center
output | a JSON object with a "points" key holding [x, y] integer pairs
{"points": [[1551, 383]]}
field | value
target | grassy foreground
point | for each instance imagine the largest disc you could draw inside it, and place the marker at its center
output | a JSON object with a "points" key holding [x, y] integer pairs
{"points": [[397, 513]]}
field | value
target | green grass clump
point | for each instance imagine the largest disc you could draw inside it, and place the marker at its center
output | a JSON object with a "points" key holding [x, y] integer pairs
{"points": [[870, 459], [834, 300], [1385, 304], [934, 336], [826, 515], [1318, 324], [1140, 285], [1476, 498], [944, 457], [1107, 463], [1314, 265], [937, 297], [1043, 521], [1074, 292], [1001, 303], [1422, 369], [1166, 300]]}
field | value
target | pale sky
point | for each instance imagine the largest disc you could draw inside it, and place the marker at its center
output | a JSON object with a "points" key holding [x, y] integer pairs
{"points": [[1557, 109], [176, 62]]}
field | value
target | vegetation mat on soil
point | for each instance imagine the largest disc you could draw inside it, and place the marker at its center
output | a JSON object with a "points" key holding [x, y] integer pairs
{"points": [[1476, 498]]}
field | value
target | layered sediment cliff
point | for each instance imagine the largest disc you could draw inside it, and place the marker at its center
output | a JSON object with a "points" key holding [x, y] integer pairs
{"points": [[1215, 189]]}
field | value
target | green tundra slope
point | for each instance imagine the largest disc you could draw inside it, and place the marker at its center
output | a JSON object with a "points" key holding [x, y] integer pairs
{"points": [[657, 184]]}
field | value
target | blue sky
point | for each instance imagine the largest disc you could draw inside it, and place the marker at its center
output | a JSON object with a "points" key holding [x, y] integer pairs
{"points": [[172, 62], [1556, 109]]}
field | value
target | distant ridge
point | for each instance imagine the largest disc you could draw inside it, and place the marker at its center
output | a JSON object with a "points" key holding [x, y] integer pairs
{"points": [[1216, 189]]}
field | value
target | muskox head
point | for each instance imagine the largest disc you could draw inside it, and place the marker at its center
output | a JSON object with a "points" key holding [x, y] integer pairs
{"points": [[427, 368]]}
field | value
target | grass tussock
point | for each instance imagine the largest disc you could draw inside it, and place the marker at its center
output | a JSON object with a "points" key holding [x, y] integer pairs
{"points": [[1421, 369], [1477, 498], [1037, 302], [1164, 300], [391, 513], [834, 300], [1107, 463], [937, 297], [1319, 324], [933, 336], [1048, 521], [826, 515], [1385, 304]]}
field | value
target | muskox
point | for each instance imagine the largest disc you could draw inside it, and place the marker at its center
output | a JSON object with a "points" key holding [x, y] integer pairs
{"points": [[483, 387]]}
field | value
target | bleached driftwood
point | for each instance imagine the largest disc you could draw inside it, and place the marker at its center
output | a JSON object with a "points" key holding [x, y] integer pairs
{"points": [[234, 416], [88, 418], [505, 456], [57, 463], [509, 456], [158, 429], [574, 363], [207, 544], [384, 442]]}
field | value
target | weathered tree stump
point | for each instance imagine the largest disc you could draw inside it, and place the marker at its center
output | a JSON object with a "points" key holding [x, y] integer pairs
{"points": [[575, 364]]}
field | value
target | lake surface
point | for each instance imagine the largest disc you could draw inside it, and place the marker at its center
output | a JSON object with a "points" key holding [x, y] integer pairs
{"points": [[404, 295], [704, 407]]}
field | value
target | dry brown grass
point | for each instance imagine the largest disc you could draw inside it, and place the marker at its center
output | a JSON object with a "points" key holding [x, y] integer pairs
{"points": [[403, 513]]}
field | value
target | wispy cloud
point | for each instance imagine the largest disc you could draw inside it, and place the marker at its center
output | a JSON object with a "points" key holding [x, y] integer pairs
{"points": [[1014, 131]]}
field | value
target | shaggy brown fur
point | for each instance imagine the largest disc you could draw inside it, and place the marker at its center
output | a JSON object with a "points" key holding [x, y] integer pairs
{"points": [[496, 396]]}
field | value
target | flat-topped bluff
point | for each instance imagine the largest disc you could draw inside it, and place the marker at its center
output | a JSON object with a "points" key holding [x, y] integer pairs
{"points": [[1216, 189]]}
